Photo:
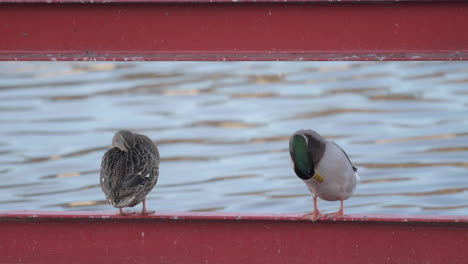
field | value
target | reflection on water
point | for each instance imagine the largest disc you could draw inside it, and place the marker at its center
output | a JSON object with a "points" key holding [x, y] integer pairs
{"points": [[223, 130]]}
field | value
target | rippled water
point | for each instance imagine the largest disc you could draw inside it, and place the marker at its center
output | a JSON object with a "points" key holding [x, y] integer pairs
{"points": [[223, 128]]}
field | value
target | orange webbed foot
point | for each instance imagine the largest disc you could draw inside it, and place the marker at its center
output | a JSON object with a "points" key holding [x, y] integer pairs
{"points": [[125, 213], [144, 212], [314, 216], [338, 214]]}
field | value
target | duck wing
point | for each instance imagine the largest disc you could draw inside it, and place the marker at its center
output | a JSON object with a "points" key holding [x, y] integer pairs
{"points": [[112, 170], [354, 168], [139, 168]]}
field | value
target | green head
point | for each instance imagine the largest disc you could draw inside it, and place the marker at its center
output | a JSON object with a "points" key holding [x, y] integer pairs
{"points": [[298, 149], [306, 148]]}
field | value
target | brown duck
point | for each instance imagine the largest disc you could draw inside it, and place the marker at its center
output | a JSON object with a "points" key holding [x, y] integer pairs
{"points": [[129, 170]]}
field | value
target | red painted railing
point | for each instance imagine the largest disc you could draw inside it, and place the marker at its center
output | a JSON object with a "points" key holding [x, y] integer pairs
{"points": [[93, 237], [233, 30]]}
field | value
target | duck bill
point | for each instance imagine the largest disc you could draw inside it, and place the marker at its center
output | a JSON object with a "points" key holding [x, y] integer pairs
{"points": [[317, 177]]}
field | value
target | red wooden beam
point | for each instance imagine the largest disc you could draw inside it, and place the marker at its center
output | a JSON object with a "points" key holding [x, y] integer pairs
{"points": [[93, 237], [237, 30]]}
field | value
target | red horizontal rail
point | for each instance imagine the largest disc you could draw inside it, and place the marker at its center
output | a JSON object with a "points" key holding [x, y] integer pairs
{"points": [[223, 30], [216, 1], [231, 216], [91, 237]]}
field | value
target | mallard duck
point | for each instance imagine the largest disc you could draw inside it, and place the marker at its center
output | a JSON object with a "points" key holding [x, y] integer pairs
{"points": [[324, 167], [129, 170]]}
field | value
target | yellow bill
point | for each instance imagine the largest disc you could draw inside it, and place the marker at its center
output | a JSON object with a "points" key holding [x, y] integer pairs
{"points": [[317, 177]]}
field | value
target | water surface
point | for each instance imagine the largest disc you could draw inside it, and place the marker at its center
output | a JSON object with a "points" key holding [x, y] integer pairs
{"points": [[222, 129]]}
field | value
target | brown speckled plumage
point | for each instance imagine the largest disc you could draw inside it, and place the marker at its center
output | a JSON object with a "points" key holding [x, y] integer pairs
{"points": [[129, 170]]}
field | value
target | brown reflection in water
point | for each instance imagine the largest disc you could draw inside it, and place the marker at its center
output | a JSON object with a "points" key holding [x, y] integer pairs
{"points": [[181, 140], [266, 79], [366, 76], [156, 88], [361, 205], [57, 157], [342, 67], [70, 174], [19, 185], [407, 139], [340, 111], [445, 207], [271, 95], [150, 75], [173, 92], [400, 97], [225, 124], [165, 142], [357, 90], [262, 140], [62, 191], [82, 203], [210, 209], [99, 67], [182, 92], [161, 88], [188, 158], [399, 206], [68, 97], [436, 192], [457, 81], [42, 85], [424, 76], [333, 68], [350, 78], [269, 139], [411, 165], [16, 201], [384, 180], [253, 95], [217, 179], [413, 64], [448, 149]]}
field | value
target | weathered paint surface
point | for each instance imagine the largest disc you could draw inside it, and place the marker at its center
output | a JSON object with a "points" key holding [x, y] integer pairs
{"points": [[226, 30], [220, 56], [216, 1], [78, 237]]}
